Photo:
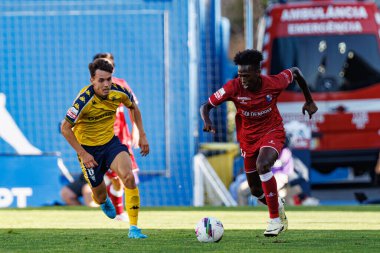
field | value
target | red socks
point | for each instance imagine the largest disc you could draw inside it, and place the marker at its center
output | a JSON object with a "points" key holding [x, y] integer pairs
{"points": [[116, 198], [269, 185]]}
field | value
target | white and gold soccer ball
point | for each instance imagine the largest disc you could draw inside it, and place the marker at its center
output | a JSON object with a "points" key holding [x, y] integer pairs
{"points": [[209, 229]]}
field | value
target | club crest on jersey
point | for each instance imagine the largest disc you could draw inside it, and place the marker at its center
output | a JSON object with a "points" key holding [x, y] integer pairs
{"points": [[219, 94], [268, 98]]}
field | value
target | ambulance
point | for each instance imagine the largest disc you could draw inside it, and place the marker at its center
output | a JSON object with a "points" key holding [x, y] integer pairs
{"points": [[336, 46]]}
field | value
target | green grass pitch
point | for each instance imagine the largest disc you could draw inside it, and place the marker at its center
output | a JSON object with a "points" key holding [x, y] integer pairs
{"points": [[171, 229]]}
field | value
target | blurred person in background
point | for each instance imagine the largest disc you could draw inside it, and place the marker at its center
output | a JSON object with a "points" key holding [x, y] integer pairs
{"points": [[77, 189], [259, 126], [292, 177], [114, 185], [89, 129], [361, 197]]}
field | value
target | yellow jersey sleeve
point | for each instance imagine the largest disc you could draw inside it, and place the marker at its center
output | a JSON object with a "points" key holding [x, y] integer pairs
{"points": [[80, 102], [126, 96]]}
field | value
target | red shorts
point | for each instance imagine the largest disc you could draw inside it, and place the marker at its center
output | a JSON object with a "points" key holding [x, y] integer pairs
{"points": [[274, 139]]}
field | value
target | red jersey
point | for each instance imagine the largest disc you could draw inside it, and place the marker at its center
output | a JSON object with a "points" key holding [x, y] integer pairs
{"points": [[257, 112], [120, 126]]}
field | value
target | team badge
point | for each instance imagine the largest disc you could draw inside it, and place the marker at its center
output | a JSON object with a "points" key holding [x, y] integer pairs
{"points": [[268, 98]]}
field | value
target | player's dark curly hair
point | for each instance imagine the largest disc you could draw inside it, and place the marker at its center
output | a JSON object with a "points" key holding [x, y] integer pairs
{"points": [[249, 57], [105, 55], [100, 64]]}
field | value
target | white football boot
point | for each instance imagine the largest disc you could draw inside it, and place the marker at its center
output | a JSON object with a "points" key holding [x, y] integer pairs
{"points": [[274, 228], [122, 217], [281, 212]]}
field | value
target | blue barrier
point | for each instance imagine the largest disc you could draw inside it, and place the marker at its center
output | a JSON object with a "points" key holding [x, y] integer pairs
{"points": [[46, 48], [29, 180]]}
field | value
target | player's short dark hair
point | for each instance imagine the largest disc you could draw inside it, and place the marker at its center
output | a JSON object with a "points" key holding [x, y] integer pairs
{"points": [[105, 55], [100, 64], [249, 57]]}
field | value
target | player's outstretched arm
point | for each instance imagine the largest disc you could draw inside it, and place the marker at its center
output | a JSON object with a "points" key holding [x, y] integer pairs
{"points": [[205, 114], [87, 159], [137, 119], [309, 105]]}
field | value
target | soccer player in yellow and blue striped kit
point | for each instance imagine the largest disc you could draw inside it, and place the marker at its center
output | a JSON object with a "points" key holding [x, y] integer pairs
{"points": [[88, 127]]}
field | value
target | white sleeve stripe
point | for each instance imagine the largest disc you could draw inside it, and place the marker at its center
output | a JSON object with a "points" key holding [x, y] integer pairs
{"points": [[209, 100], [291, 74]]}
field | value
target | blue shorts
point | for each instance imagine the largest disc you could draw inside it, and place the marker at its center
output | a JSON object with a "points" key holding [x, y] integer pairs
{"points": [[104, 156]]}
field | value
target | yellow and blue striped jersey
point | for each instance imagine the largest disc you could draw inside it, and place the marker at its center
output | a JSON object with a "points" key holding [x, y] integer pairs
{"points": [[93, 117]]}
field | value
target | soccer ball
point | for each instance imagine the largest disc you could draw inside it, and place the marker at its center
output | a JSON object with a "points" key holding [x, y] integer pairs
{"points": [[209, 229]]}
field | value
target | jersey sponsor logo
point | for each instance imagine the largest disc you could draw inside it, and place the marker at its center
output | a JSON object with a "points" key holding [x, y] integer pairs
{"points": [[243, 100], [72, 113], [219, 94], [74, 110], [268, 98], [101, 116], [256, 114]]}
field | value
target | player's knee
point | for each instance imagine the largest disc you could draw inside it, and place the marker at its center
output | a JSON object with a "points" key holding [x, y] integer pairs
{"points": [[263, 166], [116, 184], [129, 180]]}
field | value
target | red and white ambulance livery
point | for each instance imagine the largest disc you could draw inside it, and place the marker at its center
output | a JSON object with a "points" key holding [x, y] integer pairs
{"points": [[336, 45]]}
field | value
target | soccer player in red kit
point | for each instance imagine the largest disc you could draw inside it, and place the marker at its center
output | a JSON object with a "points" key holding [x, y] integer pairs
{"points": [[114, 185], [259, 126]]}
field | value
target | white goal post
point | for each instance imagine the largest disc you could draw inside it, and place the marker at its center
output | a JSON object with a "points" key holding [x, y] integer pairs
{"points": [[206, 181]]}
